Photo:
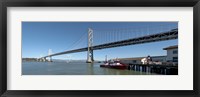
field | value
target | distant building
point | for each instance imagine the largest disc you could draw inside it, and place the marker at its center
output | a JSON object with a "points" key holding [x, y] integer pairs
{"points": [[137, 60], [131, 60], [171, 57], [159, 58], [172, 53]]}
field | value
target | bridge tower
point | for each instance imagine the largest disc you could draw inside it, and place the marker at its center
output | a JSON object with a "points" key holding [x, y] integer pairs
{"points": [[50, 57], [90, 58]]}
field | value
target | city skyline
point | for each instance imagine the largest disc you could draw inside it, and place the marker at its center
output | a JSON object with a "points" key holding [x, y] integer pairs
{"points": [[39, 37]]}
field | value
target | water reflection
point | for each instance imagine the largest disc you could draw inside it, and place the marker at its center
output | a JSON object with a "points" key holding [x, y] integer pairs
{"points": [[90, 68], [73, 68]]}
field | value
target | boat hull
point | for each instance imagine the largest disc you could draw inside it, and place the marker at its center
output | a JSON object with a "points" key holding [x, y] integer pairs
{"points": [[115, 67]]}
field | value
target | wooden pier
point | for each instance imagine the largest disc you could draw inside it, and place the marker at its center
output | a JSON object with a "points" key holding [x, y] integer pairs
{"points": [[153, 68]]}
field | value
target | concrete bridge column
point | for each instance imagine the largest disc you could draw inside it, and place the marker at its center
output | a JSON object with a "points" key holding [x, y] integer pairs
{"points": [[44, 59], [50, 59], [90, 58], [40, 59]]}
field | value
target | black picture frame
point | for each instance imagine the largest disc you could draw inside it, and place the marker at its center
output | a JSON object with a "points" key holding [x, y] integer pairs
{"points": [[98, 3]]}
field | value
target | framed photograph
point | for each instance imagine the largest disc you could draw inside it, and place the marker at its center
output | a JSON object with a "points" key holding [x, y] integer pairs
{"points": [[61, 48]]}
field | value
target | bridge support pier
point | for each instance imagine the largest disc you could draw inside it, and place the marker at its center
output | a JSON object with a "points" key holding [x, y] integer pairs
{"points": [[90, 58], [50, 59], [49, 55], [44, 59], [40, 59]]}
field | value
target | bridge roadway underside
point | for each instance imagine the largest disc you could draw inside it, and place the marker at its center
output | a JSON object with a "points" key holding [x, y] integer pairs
{"points": [[138, 40]]}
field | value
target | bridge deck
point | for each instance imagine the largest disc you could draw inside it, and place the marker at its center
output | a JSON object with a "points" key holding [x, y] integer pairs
{"points": [[173, 34]]}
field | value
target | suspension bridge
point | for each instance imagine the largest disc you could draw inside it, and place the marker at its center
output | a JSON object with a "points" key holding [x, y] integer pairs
{"points": [[98, 39]]}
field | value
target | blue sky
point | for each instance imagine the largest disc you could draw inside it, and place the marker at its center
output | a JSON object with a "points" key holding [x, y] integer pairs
{"points": [[39, 37]]}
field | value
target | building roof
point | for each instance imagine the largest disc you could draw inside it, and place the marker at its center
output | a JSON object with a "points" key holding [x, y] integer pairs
{"points": [[138, 58], [171, 47]]}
